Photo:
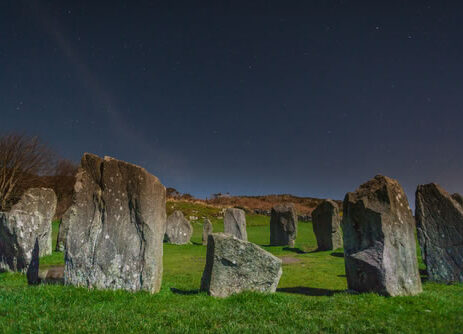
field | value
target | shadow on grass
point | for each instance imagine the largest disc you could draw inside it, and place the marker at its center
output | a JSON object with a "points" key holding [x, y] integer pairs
{"points": [[185, 292], [294, 250], [337, 254], [424, 275], [300, 290], [197, 243]]}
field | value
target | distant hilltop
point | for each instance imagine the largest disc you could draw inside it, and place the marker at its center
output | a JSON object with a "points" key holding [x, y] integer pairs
{"points": [[257, 204]]}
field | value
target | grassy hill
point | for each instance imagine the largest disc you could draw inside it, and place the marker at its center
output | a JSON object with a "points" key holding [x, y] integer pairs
{"points": [[311, 297]]}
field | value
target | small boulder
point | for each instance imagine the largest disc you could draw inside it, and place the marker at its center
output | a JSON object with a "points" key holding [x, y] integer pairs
{"points": [[439, 222], [234, 223], [117, 227], [283, 225], [379, 240], [234, 265], [178, 229], [207, 229], [326, 223]]}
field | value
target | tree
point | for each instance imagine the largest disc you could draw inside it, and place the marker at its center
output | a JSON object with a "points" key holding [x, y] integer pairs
{"points": [[23, 160]]}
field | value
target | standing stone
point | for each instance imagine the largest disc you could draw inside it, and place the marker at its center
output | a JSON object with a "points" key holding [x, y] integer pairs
{"points": [[379, 240], [234, 223], [207, 229], [63, 230], [326, 223], [178, 229], [39, 204], [283, 225], [25, 232], [457, 197], [234, 265], [439, 222], [117, 227]]}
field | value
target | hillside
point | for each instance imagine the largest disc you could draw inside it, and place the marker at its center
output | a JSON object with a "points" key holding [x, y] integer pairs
{"points": [[304, 205]]}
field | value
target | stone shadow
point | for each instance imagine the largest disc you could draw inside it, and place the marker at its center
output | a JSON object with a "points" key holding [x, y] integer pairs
{"points": [[185, 292], [294, 250], [197, 243], [337, 254], [300, 290]]}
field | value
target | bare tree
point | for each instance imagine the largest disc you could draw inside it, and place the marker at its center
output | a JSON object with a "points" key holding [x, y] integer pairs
{"points": [[62, 183], [23, 159]]}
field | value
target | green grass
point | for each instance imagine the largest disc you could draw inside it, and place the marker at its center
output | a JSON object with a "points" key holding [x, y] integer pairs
{"points": [[311, 298]]}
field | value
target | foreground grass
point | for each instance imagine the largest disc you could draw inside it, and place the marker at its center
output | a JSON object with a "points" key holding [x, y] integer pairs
{"points": [[311, 298]]}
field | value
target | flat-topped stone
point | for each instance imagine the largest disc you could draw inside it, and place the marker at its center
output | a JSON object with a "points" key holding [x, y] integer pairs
{"points": [[116, 231]]}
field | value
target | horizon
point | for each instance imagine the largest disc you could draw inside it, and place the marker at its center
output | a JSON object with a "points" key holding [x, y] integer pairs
{"points": [[309, 99]]}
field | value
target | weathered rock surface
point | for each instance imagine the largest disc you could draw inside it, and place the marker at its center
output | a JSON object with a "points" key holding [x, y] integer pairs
{"points": [[283, 225], [39, 204], [25, 232], [178, 229], [379, 241], [326, 223], [63, 230], [234, 223], [234, 265], [457, 197], [439, 222], [207, 229], [115, 237]]}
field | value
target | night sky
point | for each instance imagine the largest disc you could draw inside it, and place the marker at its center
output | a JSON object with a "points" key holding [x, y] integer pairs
{"points": [[310, 98]]}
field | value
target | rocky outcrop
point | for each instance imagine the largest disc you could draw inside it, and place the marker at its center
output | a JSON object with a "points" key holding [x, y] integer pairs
{"points": [[178, 229], [234, 223], [326, 223], [207, 229], [283, 225], [25, 232], [439, 219], [116, 230], [234, 265], [379, 242]]}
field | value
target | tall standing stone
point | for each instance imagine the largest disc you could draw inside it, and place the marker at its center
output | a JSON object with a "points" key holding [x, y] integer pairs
{"points": [[326, 223], [115, 237], [439, 222], [178, 229], [283, 225], [234, 223], [379, 240], [63, 230], [207, 229], [25, 232], [234, 265]]}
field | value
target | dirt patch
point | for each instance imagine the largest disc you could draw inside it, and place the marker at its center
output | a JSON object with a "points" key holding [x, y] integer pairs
{"points": [[289, 260]]}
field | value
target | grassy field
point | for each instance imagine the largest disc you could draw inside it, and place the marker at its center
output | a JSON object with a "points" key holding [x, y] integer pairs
{"points": [[310, 299]]}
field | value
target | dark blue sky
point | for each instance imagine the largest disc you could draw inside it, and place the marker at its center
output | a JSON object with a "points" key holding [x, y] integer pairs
{"points": [[249, 97]]}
